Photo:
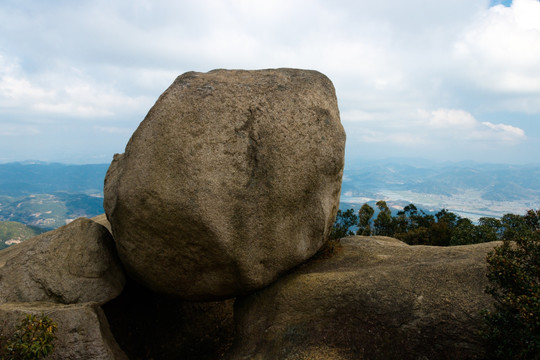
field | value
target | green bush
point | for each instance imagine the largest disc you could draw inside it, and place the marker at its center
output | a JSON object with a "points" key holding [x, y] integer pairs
{"points": [[33, 339], [513, 327]]}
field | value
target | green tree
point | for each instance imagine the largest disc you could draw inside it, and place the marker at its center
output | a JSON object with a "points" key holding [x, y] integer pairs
{"points": [[513, 226], [364, 220], [447, 217], [344, 221], [383, 222], [440, 233], [441, 230], [409, 214], [532, 219], [417, 236], [401, 224], [489, 229], [464, 233], [513, 328], [415, 227]]}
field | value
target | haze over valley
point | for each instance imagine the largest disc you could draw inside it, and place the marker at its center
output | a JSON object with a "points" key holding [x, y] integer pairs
{"points": [[469, 189]]}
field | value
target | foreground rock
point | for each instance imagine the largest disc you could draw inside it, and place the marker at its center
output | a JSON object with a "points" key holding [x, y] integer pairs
{"points": [[72, 264], [378, 298], [83, 332], [232, 179]]}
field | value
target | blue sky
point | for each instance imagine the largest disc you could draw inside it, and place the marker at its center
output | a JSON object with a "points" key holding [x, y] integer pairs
{"points": [[443, 80]]}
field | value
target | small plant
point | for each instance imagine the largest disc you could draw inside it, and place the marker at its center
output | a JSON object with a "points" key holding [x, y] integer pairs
{"points": [[32, 340], [513, 328]]}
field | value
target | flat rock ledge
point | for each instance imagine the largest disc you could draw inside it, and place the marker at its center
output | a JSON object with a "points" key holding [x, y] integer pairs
{"points": [[376, 298], [83, 331]]}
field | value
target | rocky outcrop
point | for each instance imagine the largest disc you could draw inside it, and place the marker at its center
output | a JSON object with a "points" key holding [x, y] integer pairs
{"points": [[73, 264], [102, 220], [230, 183], [83, 332], [232, 179], [377, 298]]}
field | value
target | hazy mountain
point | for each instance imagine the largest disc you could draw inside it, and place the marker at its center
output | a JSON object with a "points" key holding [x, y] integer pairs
{"points": [[49, 195], [18, 179], [49, 211], [471, 189], [14, 232]]}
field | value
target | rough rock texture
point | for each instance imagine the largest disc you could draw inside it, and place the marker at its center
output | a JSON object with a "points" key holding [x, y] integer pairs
{"points": [[232, 179], [148, 325], [83, 332], [378, 298], [72, 264], [102, 220]]}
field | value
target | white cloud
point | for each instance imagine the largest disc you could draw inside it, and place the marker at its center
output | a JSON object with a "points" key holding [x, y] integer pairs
{"points": [[107, 62], [501, 50], [452, 119], [15, 89], [67, 93], [506, 133], [461, 126]]}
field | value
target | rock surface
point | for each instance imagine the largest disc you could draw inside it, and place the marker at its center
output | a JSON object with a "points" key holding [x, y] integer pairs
{"points": [[232, 179], [102, 220], [72, 264], [83, 331], [377, 298]]}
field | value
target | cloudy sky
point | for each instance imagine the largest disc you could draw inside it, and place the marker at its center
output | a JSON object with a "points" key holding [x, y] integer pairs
{"points": [[444, 80]]}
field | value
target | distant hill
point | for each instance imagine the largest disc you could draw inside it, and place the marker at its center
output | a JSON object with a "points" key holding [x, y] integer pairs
{"points": [[49, 211], [470, 189], [495, 182], [12, 232], [19, 179], [49, 195]]}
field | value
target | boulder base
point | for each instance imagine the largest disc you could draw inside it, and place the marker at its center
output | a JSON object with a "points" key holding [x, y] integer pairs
{"points": [[232, 179], [148, 325], [378, 298]]}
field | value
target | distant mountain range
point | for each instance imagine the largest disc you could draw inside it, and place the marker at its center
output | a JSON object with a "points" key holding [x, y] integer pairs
{"points": [[45, 196], [470, 189], [26, 178], [12, 233]]}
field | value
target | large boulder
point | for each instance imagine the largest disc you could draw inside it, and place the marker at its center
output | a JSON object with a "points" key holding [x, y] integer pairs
{"points": [[72, 264], [377, 298], [232, 179], [83, 331]]}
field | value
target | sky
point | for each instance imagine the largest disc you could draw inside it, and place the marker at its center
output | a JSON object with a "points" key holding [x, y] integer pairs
{"points": [[442, 80]]}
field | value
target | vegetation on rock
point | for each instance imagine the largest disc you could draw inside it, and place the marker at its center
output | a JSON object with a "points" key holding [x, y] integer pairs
{"points": [[513, 327], [33, 339]]}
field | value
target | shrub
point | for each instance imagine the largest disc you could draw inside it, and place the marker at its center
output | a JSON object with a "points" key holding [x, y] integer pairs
{"points": [[33, 339], [513, 328]]}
